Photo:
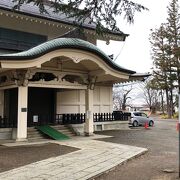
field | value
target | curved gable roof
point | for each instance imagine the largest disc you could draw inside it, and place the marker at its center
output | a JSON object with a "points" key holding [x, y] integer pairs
{"points": [[63, 43]]}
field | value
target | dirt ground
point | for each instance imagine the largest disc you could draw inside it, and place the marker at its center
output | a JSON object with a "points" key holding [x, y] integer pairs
{"points": [[13, 157]]}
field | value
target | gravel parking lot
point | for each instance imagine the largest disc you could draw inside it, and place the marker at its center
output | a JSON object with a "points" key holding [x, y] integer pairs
{"points": [[162, 143]]}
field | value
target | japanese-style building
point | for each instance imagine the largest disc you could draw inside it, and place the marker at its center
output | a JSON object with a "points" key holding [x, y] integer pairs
{"points": [[50, 71]]}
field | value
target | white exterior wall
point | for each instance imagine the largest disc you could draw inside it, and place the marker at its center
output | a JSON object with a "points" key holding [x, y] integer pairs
{"points": [[103, 99], [73, 101]]}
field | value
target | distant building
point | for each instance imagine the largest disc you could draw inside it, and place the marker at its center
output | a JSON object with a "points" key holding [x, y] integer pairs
{"points": [[138, 107]]}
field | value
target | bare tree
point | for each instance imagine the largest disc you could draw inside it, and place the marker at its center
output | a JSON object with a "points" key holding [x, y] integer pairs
{"points": [[151, 95], [121, 97]]}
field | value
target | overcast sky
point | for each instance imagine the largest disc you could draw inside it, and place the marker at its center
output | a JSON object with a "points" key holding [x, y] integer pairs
{"points": [[134, 53]]}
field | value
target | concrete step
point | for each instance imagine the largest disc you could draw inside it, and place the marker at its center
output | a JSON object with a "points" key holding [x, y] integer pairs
{"points": [[32, 129], [65, 130], [59, 127], [40, 136], [33, 134], [38, 139], [70, 134]]}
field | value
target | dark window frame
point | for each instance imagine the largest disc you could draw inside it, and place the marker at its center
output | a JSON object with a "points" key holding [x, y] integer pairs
{"points": [[19, 40]]}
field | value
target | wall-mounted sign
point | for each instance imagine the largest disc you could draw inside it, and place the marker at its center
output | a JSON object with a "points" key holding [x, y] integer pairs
{"points": [[23, 109], [35, 118]]}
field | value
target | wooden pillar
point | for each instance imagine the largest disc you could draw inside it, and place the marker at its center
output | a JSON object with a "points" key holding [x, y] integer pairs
{"points": [[22, 113], [88, 128]]}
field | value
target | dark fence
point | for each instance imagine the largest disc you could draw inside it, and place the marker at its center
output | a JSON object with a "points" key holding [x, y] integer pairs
{"points": [[121, 116], [116, 116], [97, 117], [78, 118], [6, 123], [101, 117]]}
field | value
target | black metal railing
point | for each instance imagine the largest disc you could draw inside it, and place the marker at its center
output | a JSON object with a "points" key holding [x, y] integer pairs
{"points": [[6, 123], [121, 116], [105, 117], [78, 118], [101, 117]]}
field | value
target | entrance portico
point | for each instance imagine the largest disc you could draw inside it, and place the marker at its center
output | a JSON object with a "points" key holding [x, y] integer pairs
{"points": [[66, 64]]}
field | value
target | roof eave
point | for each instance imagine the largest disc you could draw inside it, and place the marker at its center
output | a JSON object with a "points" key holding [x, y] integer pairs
{"points": [[59, 44], [117, 35], [139, 77]]}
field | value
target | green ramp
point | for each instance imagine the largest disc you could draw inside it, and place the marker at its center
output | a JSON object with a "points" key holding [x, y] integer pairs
{"points": [[51, 132]]}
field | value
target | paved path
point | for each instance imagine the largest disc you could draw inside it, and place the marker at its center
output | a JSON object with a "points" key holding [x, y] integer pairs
{"points": [[94, 158]]}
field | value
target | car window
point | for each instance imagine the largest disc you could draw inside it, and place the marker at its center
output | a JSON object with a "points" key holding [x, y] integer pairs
{"points": [[143, 114], [137, 114]]}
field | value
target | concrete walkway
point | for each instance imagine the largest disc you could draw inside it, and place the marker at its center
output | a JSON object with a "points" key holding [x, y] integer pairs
{"points": [[95, 157]]}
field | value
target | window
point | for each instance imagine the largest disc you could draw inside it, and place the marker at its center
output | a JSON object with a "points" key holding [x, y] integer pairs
{"points": [[18, 40], [137, 114], [143, 114]]}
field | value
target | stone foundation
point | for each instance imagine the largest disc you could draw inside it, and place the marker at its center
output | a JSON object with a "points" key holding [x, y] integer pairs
{"points": [[101, 126]]}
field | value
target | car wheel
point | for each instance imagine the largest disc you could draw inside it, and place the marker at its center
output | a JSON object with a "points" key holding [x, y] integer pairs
{"points": [[151, 123], [135, 123]]}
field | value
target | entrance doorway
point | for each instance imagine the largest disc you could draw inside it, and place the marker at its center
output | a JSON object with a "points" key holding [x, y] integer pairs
{"points": [[10, 107], [41, 106]]}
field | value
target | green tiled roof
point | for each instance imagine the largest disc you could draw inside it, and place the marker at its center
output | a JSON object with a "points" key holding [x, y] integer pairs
{"points": [[63, 43]]}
